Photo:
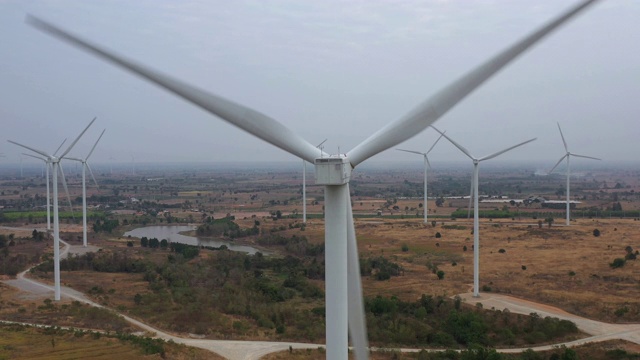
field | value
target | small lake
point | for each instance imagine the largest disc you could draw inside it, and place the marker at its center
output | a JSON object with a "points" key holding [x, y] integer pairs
{"points": [[172, 234]]}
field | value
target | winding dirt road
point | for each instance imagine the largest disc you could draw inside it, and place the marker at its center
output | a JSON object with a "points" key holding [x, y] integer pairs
{"points": [[253, 350]]}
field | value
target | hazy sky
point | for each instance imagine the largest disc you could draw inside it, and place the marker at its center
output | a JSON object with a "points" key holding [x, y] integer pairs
{"points": [[326, 69]]}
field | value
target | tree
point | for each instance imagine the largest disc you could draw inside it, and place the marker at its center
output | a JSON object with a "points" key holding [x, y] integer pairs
{"points": [[549, 221], [440, 274], [439, 201], [144, 241]]}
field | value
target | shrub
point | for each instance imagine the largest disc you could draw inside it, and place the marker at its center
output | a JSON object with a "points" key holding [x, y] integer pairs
{"points": [[596, 232], [440, 274], [617, 263], [524, 267], [502, 251], [438, 235], [405, 248]]}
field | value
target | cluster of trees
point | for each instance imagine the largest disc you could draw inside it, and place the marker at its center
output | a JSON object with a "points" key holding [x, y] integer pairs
{"points": [[295, 245], [10, 264], [440, 321], [153, 243], [110, 262], [380, 268], [225, 227], [105, 225]]}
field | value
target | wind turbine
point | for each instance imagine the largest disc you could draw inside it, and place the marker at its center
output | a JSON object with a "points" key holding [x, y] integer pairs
{"points": [[47, 164], [85, 165], [474, 192], [55, 162], [426, 164], [133, 166], [304, 185], [567, 155], [344, 304]]}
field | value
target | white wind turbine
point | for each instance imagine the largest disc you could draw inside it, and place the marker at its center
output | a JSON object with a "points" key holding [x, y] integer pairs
{"points": [[85, 166], [47, 165], [474, 192], [55, 163], [304, 185], [426, 165], [568, 155], [344, 304]]}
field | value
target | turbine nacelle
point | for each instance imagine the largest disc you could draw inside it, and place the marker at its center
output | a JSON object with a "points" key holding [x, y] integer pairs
{"points": [[333, 170]]}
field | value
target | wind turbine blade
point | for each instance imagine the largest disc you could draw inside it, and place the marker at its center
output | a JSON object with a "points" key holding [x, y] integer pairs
{"points": [[566, 148], [32, 149], [323, 141], [505, 150], [66, 189], [240, 116], [411, 151], [94, 145], [436, 106], [91, 173], [434, 144], [35, 157], [558, 163], [76, 140], [357, 320], [465, 151], [584, 156], [73, 158], [58, 149], [427, 159]]}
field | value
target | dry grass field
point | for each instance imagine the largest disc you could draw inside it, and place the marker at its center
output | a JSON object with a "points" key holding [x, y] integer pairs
{"points": [[19, 342], [567, 267]]}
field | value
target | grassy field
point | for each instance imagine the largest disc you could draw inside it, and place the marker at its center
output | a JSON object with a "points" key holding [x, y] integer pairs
{"points": [[25, 342]]}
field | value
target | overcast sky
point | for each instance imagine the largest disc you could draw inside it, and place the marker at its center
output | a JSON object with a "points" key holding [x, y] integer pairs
{"points": [[326, 69]]}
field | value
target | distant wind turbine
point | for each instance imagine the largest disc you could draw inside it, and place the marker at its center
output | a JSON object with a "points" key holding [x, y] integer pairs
{"points": [[567, 155], [476, 220], [85, 166], [55, 162], [344, 302], [47, 165], [304, 185], [426, 165]]}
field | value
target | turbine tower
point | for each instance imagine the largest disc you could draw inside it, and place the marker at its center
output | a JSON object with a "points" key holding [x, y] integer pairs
{"points": [[567, 155], [344, 304], [304, 185], [85, 166], [474, 192], [55, 163], [426, 165]]}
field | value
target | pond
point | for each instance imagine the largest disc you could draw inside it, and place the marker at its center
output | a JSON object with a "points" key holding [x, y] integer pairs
{"points": [[172, 234]]}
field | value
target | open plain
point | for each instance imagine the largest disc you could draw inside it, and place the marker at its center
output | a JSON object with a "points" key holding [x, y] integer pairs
{"points": [[526, 252]]}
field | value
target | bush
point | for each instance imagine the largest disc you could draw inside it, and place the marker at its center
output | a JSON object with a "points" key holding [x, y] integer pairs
{"points": [[617, 263], [502, 251], [438, 235], [405, 248], [596, 232], [440, 274]]}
